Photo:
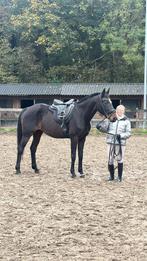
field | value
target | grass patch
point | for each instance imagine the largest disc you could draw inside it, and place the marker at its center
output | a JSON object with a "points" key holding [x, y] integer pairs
{"points": [[138, 132], [93, 131], [7, 130]]}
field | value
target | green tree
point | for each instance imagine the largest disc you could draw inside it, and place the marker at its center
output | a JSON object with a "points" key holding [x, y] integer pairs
{"points": [[72, 40], [7, 57], [123, 39]]}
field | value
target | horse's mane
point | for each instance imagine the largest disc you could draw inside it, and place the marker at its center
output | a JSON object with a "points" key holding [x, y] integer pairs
{"points": [[87, 97]]}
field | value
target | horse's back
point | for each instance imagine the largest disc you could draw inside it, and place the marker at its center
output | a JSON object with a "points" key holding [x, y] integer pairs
{"points": [[37, 106], [35, 110], [39, 117]]}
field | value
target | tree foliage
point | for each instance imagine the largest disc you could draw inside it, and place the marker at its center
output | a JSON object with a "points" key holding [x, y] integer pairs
{"points": [[72, 40]]}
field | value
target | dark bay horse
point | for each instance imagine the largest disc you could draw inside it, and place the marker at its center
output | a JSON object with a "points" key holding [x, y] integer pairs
{"points": [[38, 118]]}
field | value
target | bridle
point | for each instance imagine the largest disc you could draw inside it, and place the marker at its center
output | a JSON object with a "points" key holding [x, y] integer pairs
{"points": [[104, 111]]}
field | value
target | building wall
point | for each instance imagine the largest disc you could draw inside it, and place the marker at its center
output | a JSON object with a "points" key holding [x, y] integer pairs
{"points": [[131, 103], [16, 102]]}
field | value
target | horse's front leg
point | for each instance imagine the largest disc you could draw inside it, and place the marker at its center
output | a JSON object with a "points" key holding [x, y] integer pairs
{"points": [[81, 143], [74, 142]]}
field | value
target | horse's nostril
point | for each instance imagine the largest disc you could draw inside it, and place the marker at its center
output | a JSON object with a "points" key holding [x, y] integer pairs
{"points": [[113, 119]]}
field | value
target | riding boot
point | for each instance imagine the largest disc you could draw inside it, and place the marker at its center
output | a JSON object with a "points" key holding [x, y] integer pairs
{"points": [[120, 171], [111, 171]]}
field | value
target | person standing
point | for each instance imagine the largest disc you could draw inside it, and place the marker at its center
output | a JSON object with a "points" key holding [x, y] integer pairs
{"points": [[117, 134]]}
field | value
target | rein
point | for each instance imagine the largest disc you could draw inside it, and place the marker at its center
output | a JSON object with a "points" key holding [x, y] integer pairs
{"points": [[112, 152]]}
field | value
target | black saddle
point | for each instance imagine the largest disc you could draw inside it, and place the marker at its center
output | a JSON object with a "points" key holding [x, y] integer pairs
{"points": [[62, 111]]}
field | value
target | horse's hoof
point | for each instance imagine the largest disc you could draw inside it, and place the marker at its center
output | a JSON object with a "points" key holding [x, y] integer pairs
{"points": [[36, 170], [18, 172], [82, 175], [73, 176]]}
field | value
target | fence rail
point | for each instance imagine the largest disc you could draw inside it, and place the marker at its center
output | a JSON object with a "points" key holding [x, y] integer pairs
{"points": [[9, 117]]}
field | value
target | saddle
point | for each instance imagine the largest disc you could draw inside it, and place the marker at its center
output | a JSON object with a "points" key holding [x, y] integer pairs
{"points": [[62, 112]]}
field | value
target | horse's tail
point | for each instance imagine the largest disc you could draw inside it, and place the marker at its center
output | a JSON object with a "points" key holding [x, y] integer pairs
{"points": [[19, 129]]}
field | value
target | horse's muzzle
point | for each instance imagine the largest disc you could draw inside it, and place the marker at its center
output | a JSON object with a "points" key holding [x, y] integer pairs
{"points": [[113, 116]]}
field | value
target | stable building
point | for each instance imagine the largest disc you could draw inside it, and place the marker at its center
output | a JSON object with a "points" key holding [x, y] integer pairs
{"points": [[24, 95]]}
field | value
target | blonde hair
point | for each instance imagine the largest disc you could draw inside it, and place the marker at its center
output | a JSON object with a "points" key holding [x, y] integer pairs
{"points": [[122, 107]]}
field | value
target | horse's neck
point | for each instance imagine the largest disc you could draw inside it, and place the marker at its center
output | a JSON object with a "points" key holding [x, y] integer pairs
{"points": [[89, 108]]}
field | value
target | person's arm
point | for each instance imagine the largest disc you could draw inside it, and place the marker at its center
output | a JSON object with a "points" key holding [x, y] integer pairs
{"points": [[127, 133]]}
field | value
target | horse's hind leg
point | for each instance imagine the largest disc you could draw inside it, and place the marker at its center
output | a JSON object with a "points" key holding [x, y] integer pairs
{"points": [[33, 148], [20, 150]]}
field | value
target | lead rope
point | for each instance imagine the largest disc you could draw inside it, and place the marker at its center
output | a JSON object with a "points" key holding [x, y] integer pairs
{"points": [[112, 151]]}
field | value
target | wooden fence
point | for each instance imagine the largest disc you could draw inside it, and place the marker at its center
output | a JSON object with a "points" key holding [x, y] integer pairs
{"points": [[8, 118]]}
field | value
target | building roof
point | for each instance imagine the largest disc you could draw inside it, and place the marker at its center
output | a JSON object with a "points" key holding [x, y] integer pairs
{"points": [[115, 89], [29, 89], [70, 89]]}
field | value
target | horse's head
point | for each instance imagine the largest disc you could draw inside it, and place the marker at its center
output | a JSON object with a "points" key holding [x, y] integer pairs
{"points": [[107, 108]]}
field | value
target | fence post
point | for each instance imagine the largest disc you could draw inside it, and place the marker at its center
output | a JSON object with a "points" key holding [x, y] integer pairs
{"points": [[144, 119]]}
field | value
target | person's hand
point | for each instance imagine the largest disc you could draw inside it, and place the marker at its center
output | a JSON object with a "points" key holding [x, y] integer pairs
{"points": [[118, 137]]}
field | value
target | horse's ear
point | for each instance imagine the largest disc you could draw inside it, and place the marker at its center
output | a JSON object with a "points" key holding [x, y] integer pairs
{"points": [[108, 91], [103, 93]]}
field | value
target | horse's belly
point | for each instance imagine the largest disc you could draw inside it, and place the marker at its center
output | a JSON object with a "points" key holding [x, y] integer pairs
{"points": [[55, 134], [51, 127], [54, 131]]}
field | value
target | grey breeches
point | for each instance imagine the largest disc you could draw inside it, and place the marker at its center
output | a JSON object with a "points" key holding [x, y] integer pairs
{"points": [[113, 153]]}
